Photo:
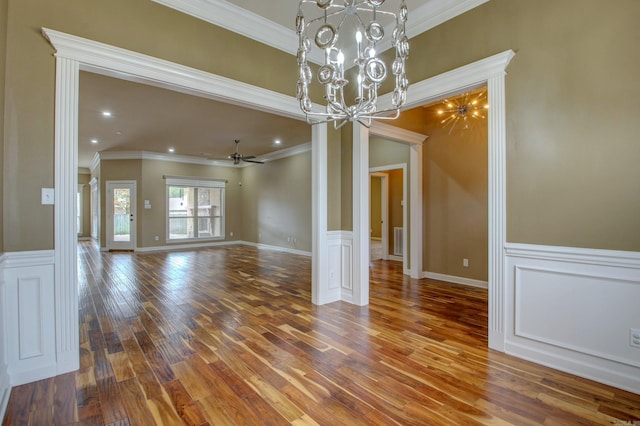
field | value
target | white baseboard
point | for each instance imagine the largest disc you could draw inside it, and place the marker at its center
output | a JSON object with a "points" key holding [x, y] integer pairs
{"points": [[572, 309], [221, 243], [186, 246], [455, 280], [276, 248]]}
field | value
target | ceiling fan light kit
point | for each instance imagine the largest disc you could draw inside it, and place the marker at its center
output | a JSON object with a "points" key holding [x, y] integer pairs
{"points": [[351, 35], [237, 158]]}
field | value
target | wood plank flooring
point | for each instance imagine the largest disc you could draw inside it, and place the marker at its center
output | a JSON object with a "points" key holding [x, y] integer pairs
{"points": [[228, 336]]}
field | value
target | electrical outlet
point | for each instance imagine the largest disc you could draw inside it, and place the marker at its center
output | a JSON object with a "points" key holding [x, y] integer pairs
{"points": [[231, 234], [465, 263], [157, 238], [634, 337]]}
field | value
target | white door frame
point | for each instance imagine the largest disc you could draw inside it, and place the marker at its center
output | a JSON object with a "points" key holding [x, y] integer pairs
{"points": [[110, 185], [405, 209], [75, 53], [95, 210]]}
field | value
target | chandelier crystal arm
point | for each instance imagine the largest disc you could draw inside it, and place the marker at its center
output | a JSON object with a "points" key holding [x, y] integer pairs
{"points": [[340, 24]]}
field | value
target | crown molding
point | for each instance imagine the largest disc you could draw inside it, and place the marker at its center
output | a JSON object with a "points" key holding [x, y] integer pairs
{"points": [[287, 152], [467, 77], [133, 66], [147, 155], [187, 159], [436, 12], [241, 21], [251, 25], [395, 133]]}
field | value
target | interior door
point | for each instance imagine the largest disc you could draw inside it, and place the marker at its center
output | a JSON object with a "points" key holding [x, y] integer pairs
{"points": [[121, 215]]}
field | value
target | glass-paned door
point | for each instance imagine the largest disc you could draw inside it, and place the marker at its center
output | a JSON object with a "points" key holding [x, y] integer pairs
{"points": [[121, 215]]}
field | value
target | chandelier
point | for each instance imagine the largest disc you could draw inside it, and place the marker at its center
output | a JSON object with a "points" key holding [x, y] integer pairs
{"points": [[348, 37], [463, 109]]}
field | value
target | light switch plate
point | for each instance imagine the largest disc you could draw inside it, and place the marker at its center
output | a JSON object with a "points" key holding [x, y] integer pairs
{"points": [[47, 196]]}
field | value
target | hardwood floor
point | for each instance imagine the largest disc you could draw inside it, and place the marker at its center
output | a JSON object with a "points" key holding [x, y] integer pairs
{"points": [[228, 336]]}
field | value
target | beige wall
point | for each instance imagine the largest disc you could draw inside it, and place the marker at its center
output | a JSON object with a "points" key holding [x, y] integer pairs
{"points": [[119, 170], [346, 177], [375, 206], [153, 222], [268, 204], [151, 185], [383, 153], [571, 94], [572, 127], [396, 198], [334, 180], [84, 179], [455, 198], [276, 202], [138, 25]]}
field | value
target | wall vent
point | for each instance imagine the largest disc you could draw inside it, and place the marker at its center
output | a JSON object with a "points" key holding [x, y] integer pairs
{"points": [[398, 241]]}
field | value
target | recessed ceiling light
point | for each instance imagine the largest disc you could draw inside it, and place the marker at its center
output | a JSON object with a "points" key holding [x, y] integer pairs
{"points": [[106, 113], [277, 142], [94, 140], [172, 150]]}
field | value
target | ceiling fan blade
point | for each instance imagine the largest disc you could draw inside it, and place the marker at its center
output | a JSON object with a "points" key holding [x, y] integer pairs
{"points": [[248, 157], [252, 161]]}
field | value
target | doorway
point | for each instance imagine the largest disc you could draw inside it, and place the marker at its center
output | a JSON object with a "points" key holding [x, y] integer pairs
{"points": [[379, 214], [74, 54], [121, 215]]}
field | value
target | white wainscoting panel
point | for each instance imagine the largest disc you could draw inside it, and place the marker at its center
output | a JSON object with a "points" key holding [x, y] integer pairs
{"points": [[30, 316], [340, 244], [572, 309]]}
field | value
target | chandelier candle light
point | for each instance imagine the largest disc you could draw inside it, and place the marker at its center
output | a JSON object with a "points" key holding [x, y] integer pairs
{"points": [[351, 33]]}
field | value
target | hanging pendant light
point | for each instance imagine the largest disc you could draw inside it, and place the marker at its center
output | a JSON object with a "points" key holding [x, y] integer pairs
{"points": [[350, 36]]}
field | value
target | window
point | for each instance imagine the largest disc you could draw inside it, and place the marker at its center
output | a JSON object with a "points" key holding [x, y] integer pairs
{"points": [[195, 209]]}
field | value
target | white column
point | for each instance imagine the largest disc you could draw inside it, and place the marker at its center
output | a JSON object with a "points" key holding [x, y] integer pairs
{"points": [[497, 210], [320, 291], [360, 215], [415, 214], [66, 185]]}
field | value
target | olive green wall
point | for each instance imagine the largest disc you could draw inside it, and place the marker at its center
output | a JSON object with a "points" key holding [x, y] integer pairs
{"points": [[334, 180], [375, 206], [571, 110], [138, 25], [396, 209], [276, 202], [268, 204], [346, 177], [383, 153], [571, 91], [151, 185], [455, 186], [3, 43]]}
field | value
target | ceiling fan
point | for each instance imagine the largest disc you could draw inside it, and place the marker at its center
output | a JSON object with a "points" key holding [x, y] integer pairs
{"points": [[236, 157]]}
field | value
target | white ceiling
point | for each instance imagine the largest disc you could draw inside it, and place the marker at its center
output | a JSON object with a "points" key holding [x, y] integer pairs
{"points": [[147, 118], [153, 119]]}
